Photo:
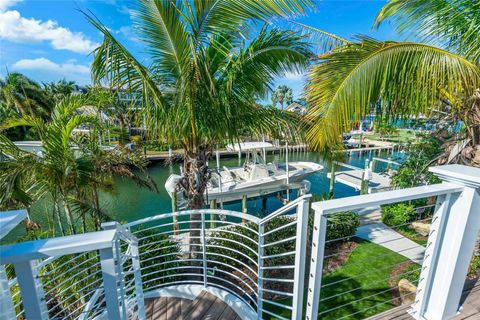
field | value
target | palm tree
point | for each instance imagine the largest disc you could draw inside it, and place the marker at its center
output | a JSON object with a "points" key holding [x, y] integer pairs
{"points": [[203, 77], [70, 169], [24, 95], [399, 79], [282, 94], [60, 89]]}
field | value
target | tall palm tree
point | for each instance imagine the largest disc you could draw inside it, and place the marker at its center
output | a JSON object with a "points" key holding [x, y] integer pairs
{"points": [[204, 72], [24, 95], [398, 79], [60, 89], [282, 94]]}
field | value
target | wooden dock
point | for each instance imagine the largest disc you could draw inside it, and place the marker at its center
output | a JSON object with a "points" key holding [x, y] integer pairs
{"points": [[354, 178], [178, 154]]}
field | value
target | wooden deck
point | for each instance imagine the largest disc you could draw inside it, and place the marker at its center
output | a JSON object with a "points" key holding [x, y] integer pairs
{"points": [[206, 306], [470, 306]]}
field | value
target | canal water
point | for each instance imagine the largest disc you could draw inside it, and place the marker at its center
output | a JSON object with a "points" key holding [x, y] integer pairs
{"points": [[128, 202], [131, 203]]}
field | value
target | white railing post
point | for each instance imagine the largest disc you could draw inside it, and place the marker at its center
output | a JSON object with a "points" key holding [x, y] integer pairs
{"points": [[261, 249], [33, 296], [113, 299], [431, 253], [300, 254], [449, 252], [120, 276], [135, 256], [316, 265], [6, 303], [138, 280], [204, 252]]}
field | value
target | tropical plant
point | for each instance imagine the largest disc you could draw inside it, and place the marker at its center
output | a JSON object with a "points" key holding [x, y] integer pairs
{"points": [[282, 94], [385, 129], [70, 168], [414, 169], [398, 79], [204, 78], [60, 89], [20, 95], [398, 214], [24, 95]]}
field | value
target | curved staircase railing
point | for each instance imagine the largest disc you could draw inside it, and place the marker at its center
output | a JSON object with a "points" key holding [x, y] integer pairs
{"points": [[251, 258]]}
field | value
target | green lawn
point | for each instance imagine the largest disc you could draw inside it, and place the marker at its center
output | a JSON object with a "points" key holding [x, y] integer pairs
{"points": [[365, 276], [403, 135], [412, 235]]}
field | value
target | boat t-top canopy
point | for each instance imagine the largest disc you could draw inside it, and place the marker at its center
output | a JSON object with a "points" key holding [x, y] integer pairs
{"points": [[248, 146]]}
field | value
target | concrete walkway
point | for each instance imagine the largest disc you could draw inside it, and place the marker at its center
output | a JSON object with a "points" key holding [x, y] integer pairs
{"points": [[381, 234]]}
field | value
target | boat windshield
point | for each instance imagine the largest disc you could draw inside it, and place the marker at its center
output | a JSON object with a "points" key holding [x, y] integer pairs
{"points": [[254, 157]]}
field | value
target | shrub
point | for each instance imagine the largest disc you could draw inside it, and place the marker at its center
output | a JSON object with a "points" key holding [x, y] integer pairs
{"points": [[398, 214], [414, 169], [474, 268], [342, 225]]}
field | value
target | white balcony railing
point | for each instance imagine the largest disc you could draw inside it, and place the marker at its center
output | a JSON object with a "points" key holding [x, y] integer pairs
{"points": [[444, 264], [75, 277], [229, 250], [260, 262]]}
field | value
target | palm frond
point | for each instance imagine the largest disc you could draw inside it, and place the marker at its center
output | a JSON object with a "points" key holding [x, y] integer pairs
{"points": [[454, 24], [403, 78], [114, 64], [223, 16], [322, 40], [159, 26]]}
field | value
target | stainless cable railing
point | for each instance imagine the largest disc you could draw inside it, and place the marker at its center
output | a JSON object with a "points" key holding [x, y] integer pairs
{"points": [[83, 276], [261, 262], [229, 250], [357, 276]]}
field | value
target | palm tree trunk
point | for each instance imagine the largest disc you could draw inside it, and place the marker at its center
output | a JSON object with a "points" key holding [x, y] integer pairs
{"points": [[194, 181], [96, 205], [56, 209], [69, 215]]}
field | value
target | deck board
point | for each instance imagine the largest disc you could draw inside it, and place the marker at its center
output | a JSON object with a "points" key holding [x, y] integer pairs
{"points": [[204, 307], [174, 308]]}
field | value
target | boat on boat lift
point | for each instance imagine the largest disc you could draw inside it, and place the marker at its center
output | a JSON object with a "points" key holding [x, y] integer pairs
{"points": [[255, 178]]}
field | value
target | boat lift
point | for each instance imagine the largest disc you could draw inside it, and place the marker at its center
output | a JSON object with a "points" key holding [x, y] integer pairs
{"points": [[289, 181], [365, 180]]}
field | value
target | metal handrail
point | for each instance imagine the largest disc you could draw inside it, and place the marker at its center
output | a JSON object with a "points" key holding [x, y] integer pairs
{"points": [[227, 258], [286, 208]]}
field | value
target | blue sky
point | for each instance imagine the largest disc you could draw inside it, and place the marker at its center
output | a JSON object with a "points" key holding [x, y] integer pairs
{"points": [[51, 40]]}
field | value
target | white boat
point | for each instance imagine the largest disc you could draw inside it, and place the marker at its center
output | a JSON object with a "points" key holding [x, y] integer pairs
{"points": [[254, 178]]}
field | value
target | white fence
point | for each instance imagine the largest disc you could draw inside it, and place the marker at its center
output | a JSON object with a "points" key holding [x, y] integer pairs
{"points": [[455, 225]]}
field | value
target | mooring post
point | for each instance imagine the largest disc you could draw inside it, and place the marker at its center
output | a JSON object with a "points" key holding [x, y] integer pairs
{"points": [[213, 206], [365, 178], [332, 180], [244, 206], [174, 210]]}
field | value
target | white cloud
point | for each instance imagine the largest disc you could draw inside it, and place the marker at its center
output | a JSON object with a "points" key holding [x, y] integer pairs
{"points": [[5, 4], [290, 76], [128, 33], [15, 28], [43, 64]]}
